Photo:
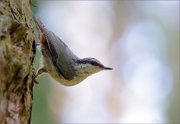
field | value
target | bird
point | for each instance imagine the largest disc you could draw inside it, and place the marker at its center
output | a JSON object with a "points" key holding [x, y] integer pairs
{"points": [[61, 63]]}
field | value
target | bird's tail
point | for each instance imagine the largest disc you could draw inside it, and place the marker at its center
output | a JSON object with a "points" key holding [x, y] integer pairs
{"points": [[42, 29], [39, 23]]}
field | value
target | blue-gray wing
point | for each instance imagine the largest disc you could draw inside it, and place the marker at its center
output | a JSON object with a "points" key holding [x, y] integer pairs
{"points": [[62, 56]]}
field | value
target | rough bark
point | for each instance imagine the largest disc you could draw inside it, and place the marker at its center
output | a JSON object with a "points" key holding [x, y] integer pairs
{"points": [[17, 49]]}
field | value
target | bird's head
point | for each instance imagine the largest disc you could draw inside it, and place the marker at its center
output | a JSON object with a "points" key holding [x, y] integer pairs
{"points": [[91, 65]]}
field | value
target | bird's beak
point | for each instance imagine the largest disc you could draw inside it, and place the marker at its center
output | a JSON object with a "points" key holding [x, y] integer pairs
{"points": [[107, 68]]}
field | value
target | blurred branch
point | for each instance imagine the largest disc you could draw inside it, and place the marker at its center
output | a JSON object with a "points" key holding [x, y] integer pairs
{"points": [[17, 50]]}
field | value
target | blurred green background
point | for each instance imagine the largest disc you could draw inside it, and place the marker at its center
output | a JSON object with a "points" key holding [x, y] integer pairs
{"points": [[139, 39]]}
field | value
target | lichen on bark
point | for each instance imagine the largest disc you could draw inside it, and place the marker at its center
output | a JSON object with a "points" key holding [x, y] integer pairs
{"points": [[16, 59]]}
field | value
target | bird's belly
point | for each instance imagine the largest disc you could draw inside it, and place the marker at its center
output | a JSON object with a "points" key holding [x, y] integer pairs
{"points": [[58, 77], [65, 82]]}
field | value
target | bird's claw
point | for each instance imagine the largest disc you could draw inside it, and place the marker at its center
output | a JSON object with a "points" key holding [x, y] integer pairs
{"points": [[34, 79]]}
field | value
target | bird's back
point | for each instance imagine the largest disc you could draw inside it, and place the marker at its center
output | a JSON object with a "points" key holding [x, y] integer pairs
{"points": [[59, 53]]}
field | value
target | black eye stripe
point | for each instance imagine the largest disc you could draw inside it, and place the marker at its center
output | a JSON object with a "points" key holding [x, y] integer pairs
{"points": [[95, 64], [91, 61]]}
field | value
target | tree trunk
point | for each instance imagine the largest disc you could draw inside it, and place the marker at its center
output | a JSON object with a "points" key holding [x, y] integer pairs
{"points": [[17, 51]]}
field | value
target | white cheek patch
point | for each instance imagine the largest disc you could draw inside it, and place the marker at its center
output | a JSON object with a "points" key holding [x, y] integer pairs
{"points": [[85, 65], [82, 66], [86, 68]]}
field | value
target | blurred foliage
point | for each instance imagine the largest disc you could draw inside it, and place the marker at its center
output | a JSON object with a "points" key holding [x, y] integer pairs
{"points": [[41, 113]]}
